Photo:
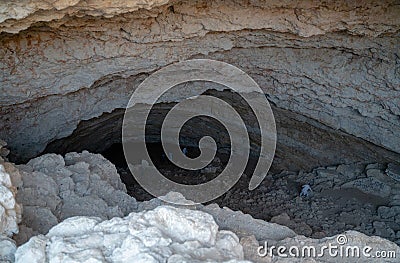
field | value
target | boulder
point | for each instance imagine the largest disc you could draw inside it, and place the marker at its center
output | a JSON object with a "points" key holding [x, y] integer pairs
{"points": [[165, 234]]}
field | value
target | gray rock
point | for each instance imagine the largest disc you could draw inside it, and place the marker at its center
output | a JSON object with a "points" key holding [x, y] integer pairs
{"points": [[245, 225], [389, 212], [382, 230], [299, 227], [7, 249], [369, 185], [350, 171], [393, 170]]}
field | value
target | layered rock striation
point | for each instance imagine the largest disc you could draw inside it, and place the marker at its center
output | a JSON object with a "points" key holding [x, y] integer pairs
{"points": [[64, 62]]}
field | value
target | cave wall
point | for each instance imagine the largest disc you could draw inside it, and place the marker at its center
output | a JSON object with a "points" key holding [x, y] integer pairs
{"points": [[63, 62]]}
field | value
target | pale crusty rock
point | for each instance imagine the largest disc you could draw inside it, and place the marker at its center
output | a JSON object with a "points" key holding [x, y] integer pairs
{"points": [[73, 239], [307, 19], [332, 63], [8, 205], [80, 184], [18, 15], [7, 249], [245, 225], [10, 210], [236, 221], [160, 235]]}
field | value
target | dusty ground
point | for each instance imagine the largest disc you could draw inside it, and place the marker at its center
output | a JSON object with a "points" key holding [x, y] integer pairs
{"points": [[346, 197]]}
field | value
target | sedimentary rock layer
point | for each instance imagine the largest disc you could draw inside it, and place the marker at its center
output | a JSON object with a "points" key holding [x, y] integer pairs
{"points": [[336, 63]]}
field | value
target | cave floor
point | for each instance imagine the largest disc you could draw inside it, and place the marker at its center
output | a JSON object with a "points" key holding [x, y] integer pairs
{"points": [[330, 210]]}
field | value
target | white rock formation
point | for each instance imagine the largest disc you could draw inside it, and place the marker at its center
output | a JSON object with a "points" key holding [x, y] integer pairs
{"points": [[170, 234], [80, 184], [165, 234], [10, 210], [235, 221], [29, 12], [7, 249]]}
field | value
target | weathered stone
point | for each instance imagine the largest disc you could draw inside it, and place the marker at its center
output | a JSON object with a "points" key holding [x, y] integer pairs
{"points": [[239, 223], [395, 200], [330, 71], [7, 249], [250, 249], [393, 170], [325, 62], [381, 229], [80, 184], [10, 210], [369, 185], [163, 234], [350, 171]]}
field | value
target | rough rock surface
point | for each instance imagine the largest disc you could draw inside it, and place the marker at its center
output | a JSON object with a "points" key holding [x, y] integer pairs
{"points": [[10, 210], [302, 144], [336, 63], [336, 205], [80, 184], [19, 15], [227, 219], [254, 233], [7, 249], [159, 235], [181, 235], [357, 197]]}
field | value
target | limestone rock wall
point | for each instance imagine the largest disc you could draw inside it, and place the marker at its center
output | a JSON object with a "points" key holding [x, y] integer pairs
{"points": [[80, 184], [10, 210], [67, 61]]}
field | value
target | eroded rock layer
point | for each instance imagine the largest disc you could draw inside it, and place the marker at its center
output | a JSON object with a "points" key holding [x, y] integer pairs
{"points": [[160, 235], [10, 210], [336, 63], [80, 184]]}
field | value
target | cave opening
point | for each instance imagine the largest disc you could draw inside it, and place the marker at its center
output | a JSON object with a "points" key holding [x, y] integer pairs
{"points": [[190, 135], [307, 152]]}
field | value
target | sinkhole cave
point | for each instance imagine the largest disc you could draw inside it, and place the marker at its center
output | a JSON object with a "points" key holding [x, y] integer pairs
{"points": [[329, 73]]}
